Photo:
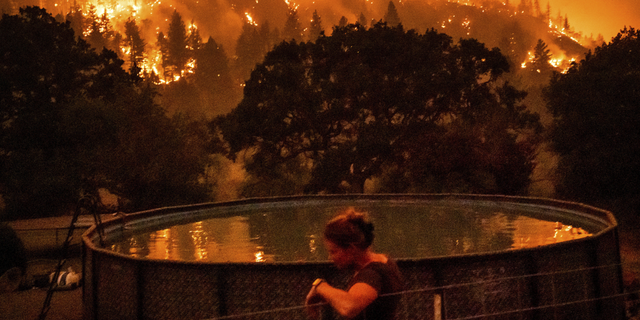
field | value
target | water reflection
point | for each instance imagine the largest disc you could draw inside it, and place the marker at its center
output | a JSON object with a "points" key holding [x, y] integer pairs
{"points": [[200, 241], [159, 245], [294, 234]]}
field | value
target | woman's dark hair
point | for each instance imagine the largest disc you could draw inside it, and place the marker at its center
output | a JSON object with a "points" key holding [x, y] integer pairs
{"points": [[350, 227]]}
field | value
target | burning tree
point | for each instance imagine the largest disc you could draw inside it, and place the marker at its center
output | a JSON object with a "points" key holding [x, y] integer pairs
{"points": [[374, 102], [541, 57], [174, 48], [135, 43]]}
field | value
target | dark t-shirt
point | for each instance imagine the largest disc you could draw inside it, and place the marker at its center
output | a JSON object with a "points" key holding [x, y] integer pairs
{"points": [[386, 279]]}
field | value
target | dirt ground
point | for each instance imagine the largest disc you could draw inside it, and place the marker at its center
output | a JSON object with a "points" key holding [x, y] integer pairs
{"points": [[27, 303]]}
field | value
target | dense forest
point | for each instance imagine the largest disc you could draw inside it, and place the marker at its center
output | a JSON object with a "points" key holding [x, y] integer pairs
{"points": [[446, 97]]}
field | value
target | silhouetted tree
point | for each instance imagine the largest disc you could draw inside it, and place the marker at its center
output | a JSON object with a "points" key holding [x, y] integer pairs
{"points": [[177, 41], [315, 29], [213, 76], [134, 42], [46, 68], [75, 121], [77, 20], [351, 105], [268, 37], [292, 28], [596, 125], [343, 22], [547, 14], [96, 37], [391, 16], [163, 45], [362, 20], [116, 44], [249, 51], [536, 8], [541, 57]]}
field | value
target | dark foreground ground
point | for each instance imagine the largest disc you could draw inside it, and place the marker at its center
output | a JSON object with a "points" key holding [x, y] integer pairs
{"points": [[27, 303]]}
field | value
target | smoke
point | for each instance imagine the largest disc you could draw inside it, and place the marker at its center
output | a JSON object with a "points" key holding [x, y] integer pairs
{"points": [[597, 16]]}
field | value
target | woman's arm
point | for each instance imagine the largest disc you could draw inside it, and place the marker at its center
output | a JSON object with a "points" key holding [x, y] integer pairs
{"points": [[347, 303]]}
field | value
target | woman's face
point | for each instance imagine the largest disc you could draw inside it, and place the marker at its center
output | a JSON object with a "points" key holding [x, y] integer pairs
{"points": [[343, 258]]}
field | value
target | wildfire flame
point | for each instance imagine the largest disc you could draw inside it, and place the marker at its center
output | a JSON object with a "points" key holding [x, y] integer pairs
{"points": [[250, 19], [118, 11], [291, 5]]}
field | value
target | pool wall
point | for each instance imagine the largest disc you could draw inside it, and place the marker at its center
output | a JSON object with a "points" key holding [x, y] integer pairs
{"points": [[577, 279]]}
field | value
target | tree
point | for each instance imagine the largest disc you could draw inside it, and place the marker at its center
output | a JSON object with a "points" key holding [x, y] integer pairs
{"points": [[343, 22], [350, 106], [96, 37], [177, 50], [541, 57], [315, 29], [292, 28], [134, 42], [194, 40], [596, 125], [268, 37], [155, 160], [107, 30], [362, 20], [45, 68], [213, 76], [547, 14], [391, 16], [249, 51], [536, 8], [163, 45], [74, 121], [77, 20]]}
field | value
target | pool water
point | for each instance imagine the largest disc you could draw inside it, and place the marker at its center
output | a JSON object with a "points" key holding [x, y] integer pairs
{"points": [[403, 230]]}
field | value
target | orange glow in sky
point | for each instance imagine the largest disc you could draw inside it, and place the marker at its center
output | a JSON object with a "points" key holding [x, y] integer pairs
{"points": [[606, 17]]}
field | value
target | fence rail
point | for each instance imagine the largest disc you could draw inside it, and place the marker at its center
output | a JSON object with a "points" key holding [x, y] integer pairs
{"points": [[631, 301], [272, 292], [579, 279]]}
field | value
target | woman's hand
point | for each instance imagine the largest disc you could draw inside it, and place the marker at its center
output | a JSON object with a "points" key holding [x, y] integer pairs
{"points": [[313, 303]]}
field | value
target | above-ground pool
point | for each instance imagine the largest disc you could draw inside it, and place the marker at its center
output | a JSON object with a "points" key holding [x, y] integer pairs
{"points": [[463, 257], [292, 231]]}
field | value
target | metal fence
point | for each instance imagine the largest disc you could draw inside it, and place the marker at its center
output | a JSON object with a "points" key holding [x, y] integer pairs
{"points": [[580, 279]]}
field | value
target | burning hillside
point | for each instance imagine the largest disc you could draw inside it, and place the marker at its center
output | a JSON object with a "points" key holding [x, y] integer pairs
{"points": [[165, 40], [491, 22]]}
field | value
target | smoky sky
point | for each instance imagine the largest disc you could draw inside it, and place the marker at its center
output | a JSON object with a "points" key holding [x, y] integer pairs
{"points": [[606, 17], [223, 19]]}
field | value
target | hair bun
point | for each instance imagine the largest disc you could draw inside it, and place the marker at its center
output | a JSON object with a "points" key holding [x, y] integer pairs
{"points": [[350, 227]]}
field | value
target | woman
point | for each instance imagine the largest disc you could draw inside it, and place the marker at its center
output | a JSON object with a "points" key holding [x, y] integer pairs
{"points": [[370, 294]]}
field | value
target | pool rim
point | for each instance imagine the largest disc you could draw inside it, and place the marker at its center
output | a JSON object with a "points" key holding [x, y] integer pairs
{"points": [[120, 221]]}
